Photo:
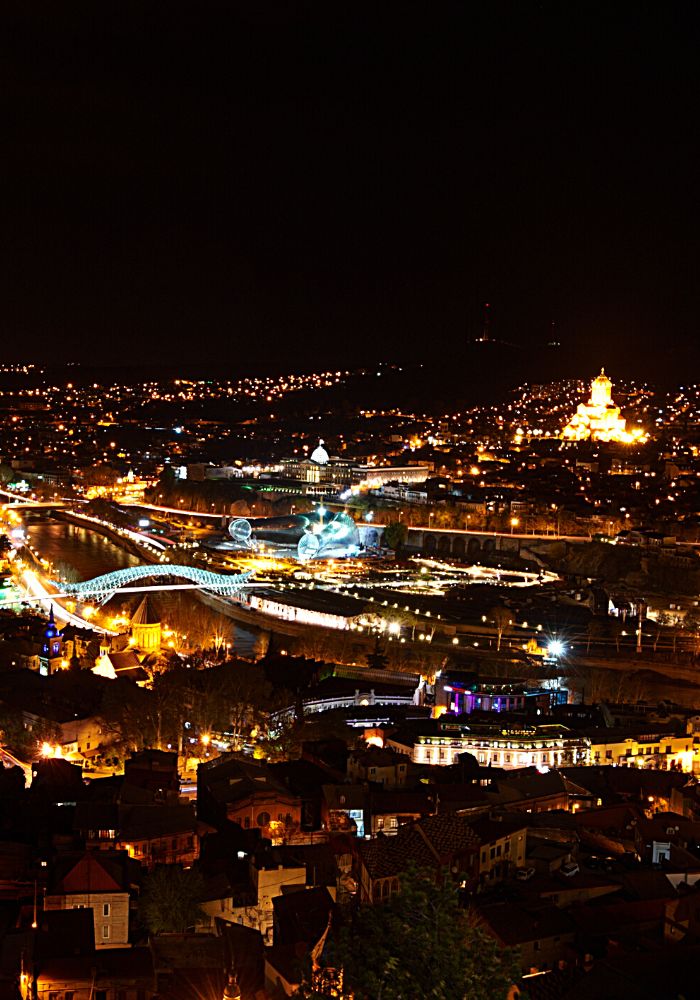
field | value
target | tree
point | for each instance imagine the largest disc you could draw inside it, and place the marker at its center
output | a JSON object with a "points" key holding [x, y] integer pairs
{"points": [[501, 619], [395, 535], [691, 625], [663, 620], [377, 659], [594, 632], [420, 944], [617, 627], [27, 743], [169, 901], [166, 477], [131, 714]]}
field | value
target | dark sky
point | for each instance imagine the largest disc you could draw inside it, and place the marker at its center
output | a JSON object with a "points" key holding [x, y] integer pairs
{"points": [[331, 182]]}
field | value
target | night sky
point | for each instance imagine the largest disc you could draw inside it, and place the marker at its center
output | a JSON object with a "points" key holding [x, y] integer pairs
{"points": [[332, 183]]}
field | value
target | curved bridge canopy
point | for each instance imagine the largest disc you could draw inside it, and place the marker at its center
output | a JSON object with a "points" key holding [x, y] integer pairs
{"points": [[102, 588]]}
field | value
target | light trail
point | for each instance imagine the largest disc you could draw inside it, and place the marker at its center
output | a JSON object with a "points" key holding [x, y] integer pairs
{"points": [[172, 510], [39, 591], [135, 536]]}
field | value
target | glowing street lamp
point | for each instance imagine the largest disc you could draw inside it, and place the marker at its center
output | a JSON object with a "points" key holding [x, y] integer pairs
{"points": [[514, 522]]}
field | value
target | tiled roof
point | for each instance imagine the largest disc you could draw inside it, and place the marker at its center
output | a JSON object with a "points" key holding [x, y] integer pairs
{"points": [[428, 843]]}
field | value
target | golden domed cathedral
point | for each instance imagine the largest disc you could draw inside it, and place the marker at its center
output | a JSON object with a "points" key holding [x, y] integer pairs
{"points": [[599, 419]]}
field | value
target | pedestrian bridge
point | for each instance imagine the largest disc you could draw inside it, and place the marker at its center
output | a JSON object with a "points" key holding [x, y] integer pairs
{"points": [[102, 588]]}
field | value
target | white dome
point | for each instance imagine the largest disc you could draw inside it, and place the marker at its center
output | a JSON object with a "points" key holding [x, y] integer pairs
{"points": [[320, 455]]}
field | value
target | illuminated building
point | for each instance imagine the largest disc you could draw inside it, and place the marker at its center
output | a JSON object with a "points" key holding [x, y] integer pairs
{"points": [[508, 746], [599, 419], [320, 455], [146, 628]]}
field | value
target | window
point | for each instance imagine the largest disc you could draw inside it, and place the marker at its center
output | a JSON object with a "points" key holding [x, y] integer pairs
{"points": [[492, 853], [106, 909], [482, 758], [608, 754], [536, 945], [372, 770], [100, 994], [441, 754], [507, 757], [69, 995], [495, 758], [263, 819], [393, 822], [380, 822], [506, 847], [669, 750], [105, 932], [483, 857], [498, 851]]}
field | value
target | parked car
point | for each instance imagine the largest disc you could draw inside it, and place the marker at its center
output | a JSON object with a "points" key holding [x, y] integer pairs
{"points": [[523, 874], [570, 869]]}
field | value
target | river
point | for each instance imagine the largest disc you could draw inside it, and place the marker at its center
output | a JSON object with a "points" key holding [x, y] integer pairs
{"points": [[81, 554]]}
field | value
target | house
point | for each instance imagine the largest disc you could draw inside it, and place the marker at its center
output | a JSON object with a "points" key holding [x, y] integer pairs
{"points": [[124, 663], [649, 747], [345, 809], [301, 917], [155, 770], [543, 934], [502, 847], [189, 966], [245, 792], [530, 791], [84, 739], [152, 834], [432, 844], [59, 960], [106, 976], [97, 881], [390, 810], [377, 764], [249, 902]]}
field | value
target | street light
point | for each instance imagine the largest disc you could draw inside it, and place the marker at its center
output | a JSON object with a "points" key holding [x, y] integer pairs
{"points": [[514, 522]]}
